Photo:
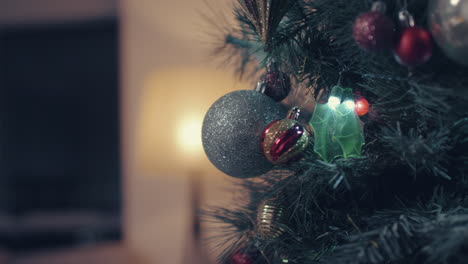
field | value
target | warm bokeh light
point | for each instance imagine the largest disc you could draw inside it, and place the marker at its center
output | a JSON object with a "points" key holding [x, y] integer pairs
{"points": [[168, 83], [172, 106], [189, 135]]}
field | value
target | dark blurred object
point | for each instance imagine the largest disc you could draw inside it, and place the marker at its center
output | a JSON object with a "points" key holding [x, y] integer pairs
{"points": [[195, 252], [59, 136], [54, 230]]}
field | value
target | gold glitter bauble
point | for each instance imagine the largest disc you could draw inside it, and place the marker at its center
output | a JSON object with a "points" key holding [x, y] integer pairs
{"points": [[271, 219]]}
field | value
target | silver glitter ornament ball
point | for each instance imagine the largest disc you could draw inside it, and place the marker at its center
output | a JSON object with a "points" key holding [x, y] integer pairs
{"points": [[448, 22], [232, 130]]}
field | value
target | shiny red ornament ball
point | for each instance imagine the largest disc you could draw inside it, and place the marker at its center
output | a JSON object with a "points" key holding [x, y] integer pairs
{"points": [[374, 31], [414, 46], [361, 106], [240, 258]]}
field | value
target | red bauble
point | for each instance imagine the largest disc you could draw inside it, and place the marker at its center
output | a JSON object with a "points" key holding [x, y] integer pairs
{"points": [[240, 258], [414, 46], [361, 106], [374, 31], [277, 85]]}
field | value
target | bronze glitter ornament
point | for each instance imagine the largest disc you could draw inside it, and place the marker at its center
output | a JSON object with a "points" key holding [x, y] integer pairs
{"points": [[271, 218]]}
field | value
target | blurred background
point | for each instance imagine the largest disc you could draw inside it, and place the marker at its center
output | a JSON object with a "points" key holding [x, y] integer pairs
{"points": [[101, 104]]}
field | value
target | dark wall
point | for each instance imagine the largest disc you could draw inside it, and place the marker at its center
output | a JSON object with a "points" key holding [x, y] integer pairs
{"points": [[59, 118]]}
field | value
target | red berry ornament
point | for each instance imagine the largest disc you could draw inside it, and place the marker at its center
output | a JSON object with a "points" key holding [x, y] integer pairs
{"points": [[414, 46], [277, 85], [240, 258], [373, 31], [274, 83], [361, 106]]}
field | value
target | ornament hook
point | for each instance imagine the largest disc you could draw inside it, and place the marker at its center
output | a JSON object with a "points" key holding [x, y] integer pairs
{"points": [[379, 6], [294, 113], [261, 87], [405, 18], [272, 65]]}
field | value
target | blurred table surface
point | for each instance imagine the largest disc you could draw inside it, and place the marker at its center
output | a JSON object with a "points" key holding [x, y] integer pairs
{"points": [[115, 253], [162, 232]]}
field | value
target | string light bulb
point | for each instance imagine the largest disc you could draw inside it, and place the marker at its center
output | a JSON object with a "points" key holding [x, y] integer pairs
{"points": [[333, 102], [361, 106], [349, 104]]}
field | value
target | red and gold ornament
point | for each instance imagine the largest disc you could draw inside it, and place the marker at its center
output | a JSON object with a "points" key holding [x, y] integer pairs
{"points": [[414, 46], [284, 139]]}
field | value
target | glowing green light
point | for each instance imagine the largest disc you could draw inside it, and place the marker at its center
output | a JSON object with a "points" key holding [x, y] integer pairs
{"points": [[337, 128]]}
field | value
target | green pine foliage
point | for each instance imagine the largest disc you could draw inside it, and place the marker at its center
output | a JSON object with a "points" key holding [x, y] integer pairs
{"points": [[405, 200]]}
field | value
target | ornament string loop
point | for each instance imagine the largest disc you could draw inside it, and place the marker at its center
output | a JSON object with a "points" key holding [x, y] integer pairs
{"points": [[261, 87], [379, 6], [406, 19], [294, 113]]}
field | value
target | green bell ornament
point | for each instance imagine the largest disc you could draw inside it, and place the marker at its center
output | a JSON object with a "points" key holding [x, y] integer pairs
{"points": [[337, 128]]}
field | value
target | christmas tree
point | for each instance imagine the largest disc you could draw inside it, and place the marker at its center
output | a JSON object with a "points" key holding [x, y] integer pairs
{"points": [[370, 163]]}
